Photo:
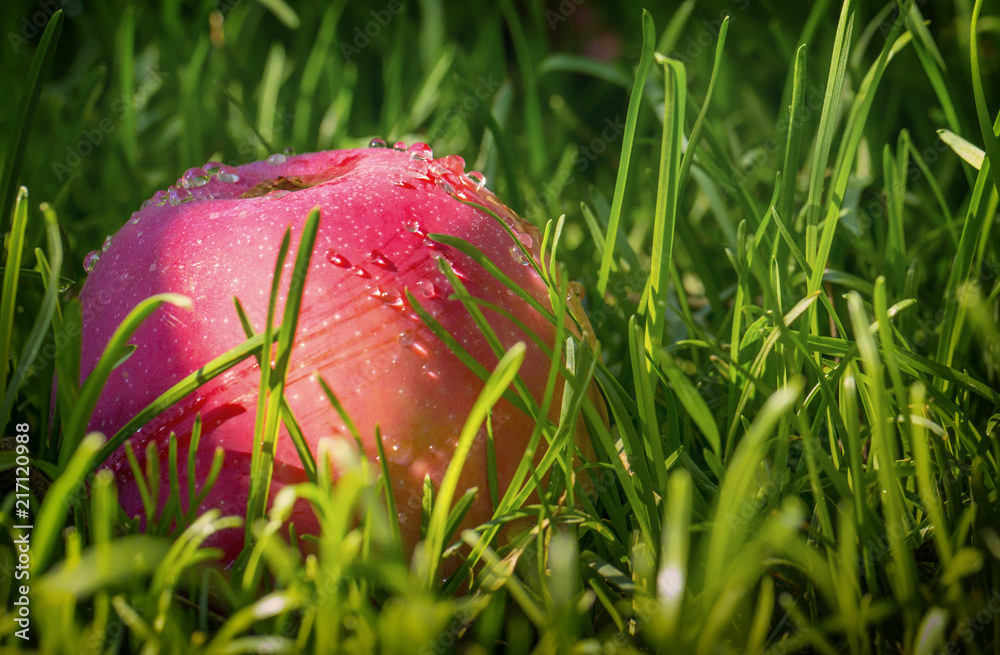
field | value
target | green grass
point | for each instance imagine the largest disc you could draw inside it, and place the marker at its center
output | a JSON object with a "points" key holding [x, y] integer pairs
{"points": [[786, 234]]}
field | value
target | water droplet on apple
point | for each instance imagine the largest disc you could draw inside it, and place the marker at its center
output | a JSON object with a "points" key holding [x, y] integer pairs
{"points": [[477, 178], [337, 259], [376, 143], [213, 167], [436, 168], [404, 184], [361, 272], [420, 151], [454, 163], [526, 239], [392, 298], [179, 196], [106, 244], [413, 226], [400, 146], [134, 220], [427, 289], [229, 175], [195, 177], [276, 159], [400, 453], [445, 185], [576, 289], [407, 337], [381, 260], [160, 198], [518, 256], [90, 261], [418, 171], [288, 152]]}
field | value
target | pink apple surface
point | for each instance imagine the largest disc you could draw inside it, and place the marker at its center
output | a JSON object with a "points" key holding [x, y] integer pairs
{"points": [[215, 236]]}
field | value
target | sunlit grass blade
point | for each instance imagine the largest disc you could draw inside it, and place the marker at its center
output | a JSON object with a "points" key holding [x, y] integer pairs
{"points": [[498, 381], [182, 388], [692, 141], [672, 579], [628, 138], [728, 531], [827, 125], [793, 143], [989, 132], [51, 517], [287, 416], [45, 312], [668, 187], [89, 393], [898, 522], [853, 134], [263, 468], [11, 275]]}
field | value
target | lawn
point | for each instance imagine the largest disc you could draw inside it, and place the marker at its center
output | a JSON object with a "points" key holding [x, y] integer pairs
{"points": [[781, 217]]}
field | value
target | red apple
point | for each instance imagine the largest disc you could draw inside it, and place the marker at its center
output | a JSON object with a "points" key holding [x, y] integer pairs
{"points": [[216, 234]]}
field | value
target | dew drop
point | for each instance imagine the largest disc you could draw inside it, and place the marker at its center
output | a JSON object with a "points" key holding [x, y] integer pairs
{"points": [[407, 337], [393, 298], [288, 152], [179, 196], [427, 289], [477, 178], [160, 198], [376, 143], [106, 244], [400, 146], [417, 172], [276, 159], [381, 260], [454, 163], [525, 239], [413, 226], [576, 289], [420, 150], [436, 168], [404, 184], [400, 453], [195, 177], [337, 259], [445, 185], [518, 256], [213, 167], [135, 217], [375, 292], [361, 272], [229, 175], [90, 261], [146, 203]]}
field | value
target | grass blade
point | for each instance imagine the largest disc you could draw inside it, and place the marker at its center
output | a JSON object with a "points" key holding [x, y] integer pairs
{"points": [[635, 101]]}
